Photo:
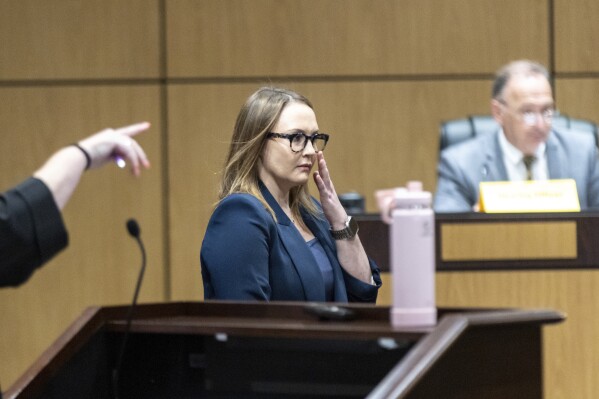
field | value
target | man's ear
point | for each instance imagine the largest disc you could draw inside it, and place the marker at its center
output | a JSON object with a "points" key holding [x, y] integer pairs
{"points": [[497, 111]]}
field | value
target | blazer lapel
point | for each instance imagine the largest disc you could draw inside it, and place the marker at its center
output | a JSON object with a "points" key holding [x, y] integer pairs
{"points": [[495, 168], [298, 251], [556, 159]]}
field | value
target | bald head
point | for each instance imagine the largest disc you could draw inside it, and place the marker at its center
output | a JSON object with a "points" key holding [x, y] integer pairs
{"points": [[520, 68]]}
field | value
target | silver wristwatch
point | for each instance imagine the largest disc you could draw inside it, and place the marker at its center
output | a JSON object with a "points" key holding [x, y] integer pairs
{"points": [[350, 230]]}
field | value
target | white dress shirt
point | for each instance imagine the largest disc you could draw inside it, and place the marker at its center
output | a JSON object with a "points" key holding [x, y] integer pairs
{"points": [[513, 159]]}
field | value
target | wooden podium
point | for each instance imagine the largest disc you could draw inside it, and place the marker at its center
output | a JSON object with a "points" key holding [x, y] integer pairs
{"points": [[282, 350]]}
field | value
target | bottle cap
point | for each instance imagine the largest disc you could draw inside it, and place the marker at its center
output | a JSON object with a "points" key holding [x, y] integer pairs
{"points": [[414, 185], [412, 196]]}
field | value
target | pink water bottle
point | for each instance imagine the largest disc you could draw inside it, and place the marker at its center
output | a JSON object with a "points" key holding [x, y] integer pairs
{"points": [[412, 243]]}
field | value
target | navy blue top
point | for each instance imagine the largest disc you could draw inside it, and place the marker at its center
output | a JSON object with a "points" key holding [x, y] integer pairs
{"points": [[324, 264]]}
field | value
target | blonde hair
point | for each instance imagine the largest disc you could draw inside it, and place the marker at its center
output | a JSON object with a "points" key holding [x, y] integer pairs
{"points": [[256, 118]]}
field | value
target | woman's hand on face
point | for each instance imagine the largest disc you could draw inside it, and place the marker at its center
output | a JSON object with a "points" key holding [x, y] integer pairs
{"points": [[331, 206]]}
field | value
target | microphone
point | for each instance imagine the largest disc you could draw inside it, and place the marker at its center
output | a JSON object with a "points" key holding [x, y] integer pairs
{"points": [[134, 231], [133, 228]]}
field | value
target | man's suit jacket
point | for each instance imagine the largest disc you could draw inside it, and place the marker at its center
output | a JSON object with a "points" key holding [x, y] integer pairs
{"points": [[247, 255], [463, 166], [31, 231]]}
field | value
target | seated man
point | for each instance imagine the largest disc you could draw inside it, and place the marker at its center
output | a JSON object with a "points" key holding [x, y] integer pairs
{"points": [[526, 146]]}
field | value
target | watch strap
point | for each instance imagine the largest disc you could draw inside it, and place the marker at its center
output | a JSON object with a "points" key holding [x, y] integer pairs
{"points": [[350, 230]]}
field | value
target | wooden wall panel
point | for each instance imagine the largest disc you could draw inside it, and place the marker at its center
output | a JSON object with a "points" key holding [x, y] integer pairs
{"points": [[102, 262], [386, 133], [576, 36], [232, 38], [79, 39], [571, 349], [201, 119], [578, 97], [382, 135]]}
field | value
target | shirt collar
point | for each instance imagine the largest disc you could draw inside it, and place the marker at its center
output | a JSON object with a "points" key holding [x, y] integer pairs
{"points": [[514, 155]]}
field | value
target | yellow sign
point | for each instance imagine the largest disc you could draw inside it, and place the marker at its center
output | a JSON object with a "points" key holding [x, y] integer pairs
{"points": [[529, 196]]}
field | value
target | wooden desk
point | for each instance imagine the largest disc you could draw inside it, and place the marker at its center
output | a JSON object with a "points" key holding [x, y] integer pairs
{"points": [[571, 285], [475, 241], [279, 350]]}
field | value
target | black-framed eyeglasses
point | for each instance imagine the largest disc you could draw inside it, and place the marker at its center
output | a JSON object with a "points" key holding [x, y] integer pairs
{"points": [[299, 140]]}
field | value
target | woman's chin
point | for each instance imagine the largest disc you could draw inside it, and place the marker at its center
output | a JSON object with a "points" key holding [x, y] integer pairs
{"points": [[301, 180]]}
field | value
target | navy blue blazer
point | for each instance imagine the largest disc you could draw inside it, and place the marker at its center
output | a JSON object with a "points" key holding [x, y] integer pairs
{"points": [[247, 255]]}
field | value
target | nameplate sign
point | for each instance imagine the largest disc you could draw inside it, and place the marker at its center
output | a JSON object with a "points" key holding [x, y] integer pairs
{"points": [[529, 196]]}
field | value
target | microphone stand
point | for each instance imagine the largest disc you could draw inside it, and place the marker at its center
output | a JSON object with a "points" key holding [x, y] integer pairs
{"points": [[133, 229]]}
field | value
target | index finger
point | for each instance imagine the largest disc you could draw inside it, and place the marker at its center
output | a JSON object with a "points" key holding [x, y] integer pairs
{"points": [[134, 129]]}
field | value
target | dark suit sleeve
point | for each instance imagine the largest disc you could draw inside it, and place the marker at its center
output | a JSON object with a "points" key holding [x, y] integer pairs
{"points": [[235, 250], [359, 291], [31, 231]]}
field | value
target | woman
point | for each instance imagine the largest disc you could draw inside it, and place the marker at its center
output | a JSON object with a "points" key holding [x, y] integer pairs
{"points": [[267, 238]]}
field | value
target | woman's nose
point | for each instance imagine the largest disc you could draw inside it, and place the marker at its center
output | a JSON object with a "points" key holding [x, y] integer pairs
{"points": [[309, 148]]}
